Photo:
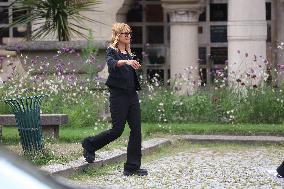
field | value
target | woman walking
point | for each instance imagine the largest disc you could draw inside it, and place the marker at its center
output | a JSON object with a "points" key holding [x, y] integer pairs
{"points": [[124, 103]]}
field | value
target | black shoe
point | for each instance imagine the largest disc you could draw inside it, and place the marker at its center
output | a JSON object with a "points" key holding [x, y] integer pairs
{"points": [[279, 176], [138, 172], [280, 170], [88, 155]]}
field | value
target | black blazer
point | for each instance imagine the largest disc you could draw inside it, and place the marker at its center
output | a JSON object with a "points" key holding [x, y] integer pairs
{"points": [[118, 75]]}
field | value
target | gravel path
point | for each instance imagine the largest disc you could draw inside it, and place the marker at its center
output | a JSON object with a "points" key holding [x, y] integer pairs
{"points": [[227, 166]]}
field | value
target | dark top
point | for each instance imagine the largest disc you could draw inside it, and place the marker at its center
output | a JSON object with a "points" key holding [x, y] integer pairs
{"points": [[123, 77], [130, 84]]}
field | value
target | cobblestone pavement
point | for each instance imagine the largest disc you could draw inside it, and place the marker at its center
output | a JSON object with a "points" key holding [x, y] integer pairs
{"points": [[227, 166]]}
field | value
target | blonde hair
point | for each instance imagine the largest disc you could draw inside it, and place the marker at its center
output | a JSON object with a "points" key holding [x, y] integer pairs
{"points": [[117, 29]]}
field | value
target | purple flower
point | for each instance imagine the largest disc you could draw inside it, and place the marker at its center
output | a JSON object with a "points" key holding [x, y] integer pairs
{"points": [[281, 66], [219, 72], [67, 50], [98, 78], [59, 68]]}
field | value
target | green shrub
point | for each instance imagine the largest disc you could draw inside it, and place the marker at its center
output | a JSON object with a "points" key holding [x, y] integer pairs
{"points": [[221, 105], [85, 111], [261, 106]]}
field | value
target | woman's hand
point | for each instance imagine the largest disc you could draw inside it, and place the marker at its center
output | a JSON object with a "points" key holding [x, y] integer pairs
{"points": [[133, 63]]}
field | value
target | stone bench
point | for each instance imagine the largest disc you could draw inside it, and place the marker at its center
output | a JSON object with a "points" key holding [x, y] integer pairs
{"points": [[49, 122]]}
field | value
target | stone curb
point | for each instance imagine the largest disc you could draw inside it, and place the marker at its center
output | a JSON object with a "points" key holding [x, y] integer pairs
{"points": [[231, 138], [104, 158]]}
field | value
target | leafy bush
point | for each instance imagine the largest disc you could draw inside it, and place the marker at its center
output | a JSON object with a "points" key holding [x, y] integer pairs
{"points": [[260, 105]]}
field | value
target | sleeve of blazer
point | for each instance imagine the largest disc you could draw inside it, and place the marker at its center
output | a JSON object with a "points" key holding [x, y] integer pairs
{"points": [[111, 62]]}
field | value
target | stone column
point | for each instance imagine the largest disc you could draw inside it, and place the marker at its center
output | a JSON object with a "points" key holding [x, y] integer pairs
{"points": [[280, 40], [247, 33], [184, 16]]}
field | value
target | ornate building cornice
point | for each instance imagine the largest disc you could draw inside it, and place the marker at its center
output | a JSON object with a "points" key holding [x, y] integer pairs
{"points": [[184, 11]]}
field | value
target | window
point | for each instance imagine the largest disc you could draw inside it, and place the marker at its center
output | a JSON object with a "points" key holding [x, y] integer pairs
{"points": [[150, 38], [218, 34], [137, 35], [138, 52], [213, 39], [155, 34], [135, 13], [5, 14], [268, 33], [203, 76], [268, 10], [156, 55], [4, 18], [268, 18], [202, 55], [218, 12], [219, 55], [154, 13]]}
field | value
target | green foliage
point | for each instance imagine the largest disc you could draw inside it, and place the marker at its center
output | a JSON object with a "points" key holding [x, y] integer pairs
{"points": [[90, 49], [220, 105], [61, 17], [89, 55], [4, 108], [262, 106], [40, 158], [82, 112]]}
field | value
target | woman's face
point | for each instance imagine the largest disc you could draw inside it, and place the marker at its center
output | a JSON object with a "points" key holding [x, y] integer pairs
{"points": [[125, 37]]}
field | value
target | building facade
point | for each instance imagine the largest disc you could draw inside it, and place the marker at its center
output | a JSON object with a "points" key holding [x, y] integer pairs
{"points": [[171, 36]]}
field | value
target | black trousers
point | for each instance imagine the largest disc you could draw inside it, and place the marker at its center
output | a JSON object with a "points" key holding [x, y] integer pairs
{"points": [[124, 106], [280, 169]]}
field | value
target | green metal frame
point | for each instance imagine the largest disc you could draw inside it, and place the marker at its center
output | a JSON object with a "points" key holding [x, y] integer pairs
{"points": [[27, 114]]}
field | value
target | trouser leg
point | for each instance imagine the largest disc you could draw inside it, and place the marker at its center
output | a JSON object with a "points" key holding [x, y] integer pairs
{"points": [[280, 169], [134, 144], [119, 109]]}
